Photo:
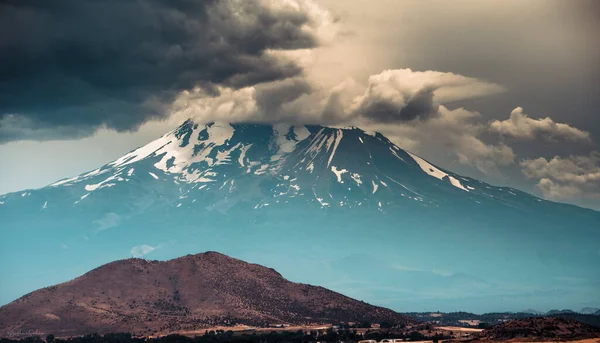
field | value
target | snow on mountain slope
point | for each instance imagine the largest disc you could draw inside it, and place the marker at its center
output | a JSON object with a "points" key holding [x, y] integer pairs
{"points": [[325, 166]]}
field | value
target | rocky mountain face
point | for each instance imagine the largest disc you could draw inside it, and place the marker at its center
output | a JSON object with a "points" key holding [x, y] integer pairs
{"points": [[339, 207], [187, 293]]}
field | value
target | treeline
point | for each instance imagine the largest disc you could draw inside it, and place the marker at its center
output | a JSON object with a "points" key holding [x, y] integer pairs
{"points": [[489, 319], [220, 336]]}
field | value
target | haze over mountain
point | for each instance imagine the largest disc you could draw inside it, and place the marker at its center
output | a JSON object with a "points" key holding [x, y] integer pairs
{"points": [[184, 294], [341, 208]]}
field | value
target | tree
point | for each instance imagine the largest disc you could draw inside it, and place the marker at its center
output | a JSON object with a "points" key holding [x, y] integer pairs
{"points": [[365, 324], [50, 338], [483, 325], [385, 325]]}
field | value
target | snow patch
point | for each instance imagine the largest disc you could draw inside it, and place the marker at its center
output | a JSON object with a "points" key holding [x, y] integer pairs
{"points": [[375, 186], [281, 142], [262, 169], [175, 159], [301, 133], [224, 157], [338, 173], [101, 184], [395, 153], [323, 203], [435, 172], [62, 182], [145, 151], [356, 178], [242, 156], [338, 138]]}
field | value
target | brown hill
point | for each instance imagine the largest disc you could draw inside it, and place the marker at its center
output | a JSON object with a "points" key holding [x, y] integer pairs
{"points": [[541, 328], [187, 293]]}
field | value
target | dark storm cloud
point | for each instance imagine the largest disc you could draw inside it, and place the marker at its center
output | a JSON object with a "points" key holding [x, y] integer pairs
{"points": [[418, 105], [270, 98], [403, 95], [68, 67]]}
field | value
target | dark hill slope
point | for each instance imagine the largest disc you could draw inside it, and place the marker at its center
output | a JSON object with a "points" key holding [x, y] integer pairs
{"points": [[186, 293]]}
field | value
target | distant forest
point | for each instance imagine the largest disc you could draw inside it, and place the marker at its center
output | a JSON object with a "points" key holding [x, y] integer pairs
{"points": [[220, 336]]}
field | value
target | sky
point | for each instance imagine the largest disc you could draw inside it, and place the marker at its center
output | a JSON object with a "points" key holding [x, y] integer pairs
{"points": [[504, 91]]}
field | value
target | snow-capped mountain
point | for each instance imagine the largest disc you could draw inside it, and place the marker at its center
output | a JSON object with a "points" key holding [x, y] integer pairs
{"points": [[338, 207], [325, 166]]}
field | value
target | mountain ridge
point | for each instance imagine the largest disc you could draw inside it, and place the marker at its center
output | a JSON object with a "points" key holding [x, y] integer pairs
{"points": [[185, 130]]}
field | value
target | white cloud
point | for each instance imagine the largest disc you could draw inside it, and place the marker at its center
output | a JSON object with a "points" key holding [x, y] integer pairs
{"points": [[107, 221], [406, 268], [142, 250], [436, 271], [566, 178], [522, 127], [392, 95]]}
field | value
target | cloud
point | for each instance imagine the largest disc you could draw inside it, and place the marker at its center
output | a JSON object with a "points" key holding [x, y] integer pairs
{"points": [[435, 271], [70, 67], [391, 96], [107, 221], [294, 100], [522, 127], [404, 95], [142, 250], [566, 178]]}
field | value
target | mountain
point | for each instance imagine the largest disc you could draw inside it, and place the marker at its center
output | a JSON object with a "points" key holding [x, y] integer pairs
{"points": [[541, 329], [187, 293], [554, 312], [339, 207], [590, 310], [532, 311]]}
